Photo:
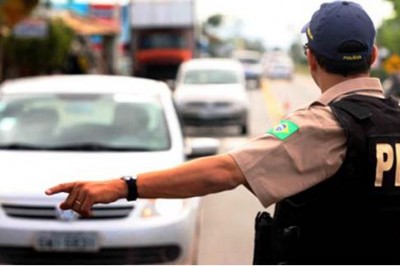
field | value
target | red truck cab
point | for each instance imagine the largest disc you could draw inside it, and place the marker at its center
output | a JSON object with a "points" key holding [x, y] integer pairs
{"points": [[163, 36], [159, 52]]}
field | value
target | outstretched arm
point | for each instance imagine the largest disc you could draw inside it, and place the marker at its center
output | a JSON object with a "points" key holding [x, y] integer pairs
{"points": [[193, 178]]}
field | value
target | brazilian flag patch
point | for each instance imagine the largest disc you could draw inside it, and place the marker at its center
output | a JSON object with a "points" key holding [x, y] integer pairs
{"points": [[284, 130]]}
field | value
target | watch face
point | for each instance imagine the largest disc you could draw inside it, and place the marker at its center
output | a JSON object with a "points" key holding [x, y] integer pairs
{"points": [[126, 178]]}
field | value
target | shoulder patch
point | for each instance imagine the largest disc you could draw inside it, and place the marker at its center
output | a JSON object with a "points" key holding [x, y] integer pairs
{"points": [[284, 130]]}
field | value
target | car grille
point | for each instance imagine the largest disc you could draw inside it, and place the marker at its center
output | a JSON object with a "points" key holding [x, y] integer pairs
{"points": [[49, 212], [116, 256]]}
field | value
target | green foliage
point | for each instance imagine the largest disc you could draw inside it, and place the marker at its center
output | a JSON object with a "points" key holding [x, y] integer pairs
{"points": [[40, 55], [297, 53], [13, 11], [215, 20], [389, 35], [379, 73], [396, 6], [223, 34]]}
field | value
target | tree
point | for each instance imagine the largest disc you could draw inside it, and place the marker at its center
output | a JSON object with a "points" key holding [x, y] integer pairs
{"points": [[388, 34], [297, 53], [388, 38], [13, 11], [213, 30], [224, 34], [28, 56]]}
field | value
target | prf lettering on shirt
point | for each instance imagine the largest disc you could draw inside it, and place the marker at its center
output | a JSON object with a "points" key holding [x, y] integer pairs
{"points": [[386, 154]]}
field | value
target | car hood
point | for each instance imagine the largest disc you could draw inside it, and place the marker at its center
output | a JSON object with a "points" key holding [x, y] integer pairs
{"points": [[31, 173], [218, 92]]}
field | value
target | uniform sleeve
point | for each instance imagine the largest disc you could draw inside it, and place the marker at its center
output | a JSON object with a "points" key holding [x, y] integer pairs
{"points": [[277, 168]]}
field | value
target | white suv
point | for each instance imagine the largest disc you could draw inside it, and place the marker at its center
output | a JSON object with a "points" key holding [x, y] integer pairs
{"points": [[212, 92]]}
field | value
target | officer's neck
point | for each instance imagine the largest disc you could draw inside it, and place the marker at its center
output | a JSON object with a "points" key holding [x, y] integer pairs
{"points": [[326, 80]]}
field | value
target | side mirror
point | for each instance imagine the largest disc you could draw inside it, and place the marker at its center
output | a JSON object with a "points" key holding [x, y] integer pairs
{"points": [[171, 84], [198, 147]]}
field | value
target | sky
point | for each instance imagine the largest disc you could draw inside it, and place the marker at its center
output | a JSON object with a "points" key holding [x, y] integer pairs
{"points": [[278, 23]]}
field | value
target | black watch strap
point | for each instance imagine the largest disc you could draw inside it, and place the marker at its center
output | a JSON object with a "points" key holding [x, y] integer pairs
{"points": [[132, 188]]}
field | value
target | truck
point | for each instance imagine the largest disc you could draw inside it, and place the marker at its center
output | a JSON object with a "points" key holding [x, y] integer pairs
{"points": [[163, 36]]}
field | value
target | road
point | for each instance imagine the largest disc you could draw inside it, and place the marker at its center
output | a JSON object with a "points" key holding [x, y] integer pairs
{"points": [[227, 228]]}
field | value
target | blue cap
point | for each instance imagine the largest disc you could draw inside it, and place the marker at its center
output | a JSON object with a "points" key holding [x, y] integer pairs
{"points": [[336, 24]]}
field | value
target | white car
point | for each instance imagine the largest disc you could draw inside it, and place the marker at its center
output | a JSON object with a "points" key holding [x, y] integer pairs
{"points": [[212, 92], [57, 129]]}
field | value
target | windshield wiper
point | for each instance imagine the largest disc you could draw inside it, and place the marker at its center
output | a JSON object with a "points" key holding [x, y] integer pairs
{"points": [[72, 147], [21, 146], [95, 147]]}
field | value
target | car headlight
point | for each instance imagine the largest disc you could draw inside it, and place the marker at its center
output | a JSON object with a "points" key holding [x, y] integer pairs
{"points": [[163, 207]]}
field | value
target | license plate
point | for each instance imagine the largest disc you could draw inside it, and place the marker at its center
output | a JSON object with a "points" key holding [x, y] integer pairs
{"points": [[67, 241]]}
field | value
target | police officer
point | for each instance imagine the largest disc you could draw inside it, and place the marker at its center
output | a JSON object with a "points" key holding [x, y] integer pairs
{"points": [[333, 168]]}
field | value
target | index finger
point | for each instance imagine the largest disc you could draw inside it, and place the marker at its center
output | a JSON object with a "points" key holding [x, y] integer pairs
{"points": [[65, 187]]}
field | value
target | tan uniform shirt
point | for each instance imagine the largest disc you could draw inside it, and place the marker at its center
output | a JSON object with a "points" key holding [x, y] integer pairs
{"points": [[276, 169]]}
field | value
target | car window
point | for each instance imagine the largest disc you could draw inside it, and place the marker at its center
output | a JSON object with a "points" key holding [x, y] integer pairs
{"points": [[210, 77], [162, 40], [117, 121], [249, 61]]}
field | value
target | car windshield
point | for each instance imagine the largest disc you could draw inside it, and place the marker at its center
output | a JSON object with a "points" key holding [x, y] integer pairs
{"points": [[162, 40], [120, 122], [250, 61], [212, 76]]}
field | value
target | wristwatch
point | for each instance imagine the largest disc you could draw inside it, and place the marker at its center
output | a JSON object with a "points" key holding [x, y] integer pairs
{"points": [[132, 188]]}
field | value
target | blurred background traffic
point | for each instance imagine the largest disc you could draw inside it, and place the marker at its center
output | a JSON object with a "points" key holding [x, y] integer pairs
{"points": [[229, 71], [152, 38]]}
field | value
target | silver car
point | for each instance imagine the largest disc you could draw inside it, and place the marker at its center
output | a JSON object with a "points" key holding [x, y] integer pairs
{"points": [[212, 92], [63, 128]]}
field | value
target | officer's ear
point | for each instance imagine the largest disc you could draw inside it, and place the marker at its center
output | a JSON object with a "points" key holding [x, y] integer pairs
{"points": [[312, 61], [374, 54]]}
